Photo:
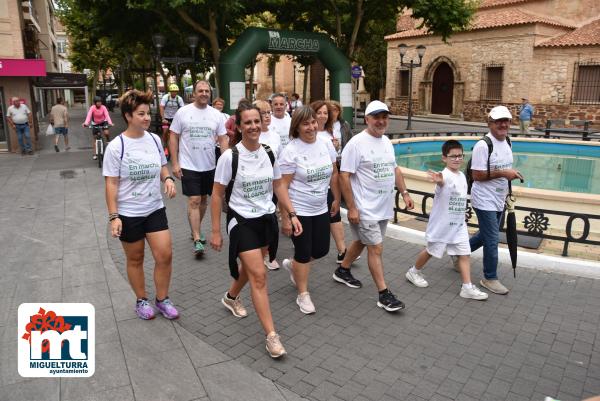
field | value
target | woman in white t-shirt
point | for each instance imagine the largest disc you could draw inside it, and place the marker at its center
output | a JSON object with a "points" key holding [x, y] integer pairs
{"points": [[308, 168], [325, 131], [134, 166], [251, 220]]}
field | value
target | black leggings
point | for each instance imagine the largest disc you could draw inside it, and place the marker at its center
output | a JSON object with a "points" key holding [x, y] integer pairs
{"points": [[313, 243]]}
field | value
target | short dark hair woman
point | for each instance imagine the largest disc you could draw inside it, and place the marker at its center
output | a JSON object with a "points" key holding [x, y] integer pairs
{"points": [[134, 166], [308, 168]]}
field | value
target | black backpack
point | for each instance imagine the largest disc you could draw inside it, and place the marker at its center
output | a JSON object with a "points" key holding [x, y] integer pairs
{"points": [[235, 156], [469, 171]]}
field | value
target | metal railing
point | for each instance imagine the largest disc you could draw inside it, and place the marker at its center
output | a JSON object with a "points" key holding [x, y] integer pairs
{"points": [[536, 223]]}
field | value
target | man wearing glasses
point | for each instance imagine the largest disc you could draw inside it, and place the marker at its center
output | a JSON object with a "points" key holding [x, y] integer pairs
{"points": [[489, 191]]}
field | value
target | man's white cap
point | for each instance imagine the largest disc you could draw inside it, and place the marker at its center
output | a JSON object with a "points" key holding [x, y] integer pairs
{"points": [[499, 112], [376, 107]]}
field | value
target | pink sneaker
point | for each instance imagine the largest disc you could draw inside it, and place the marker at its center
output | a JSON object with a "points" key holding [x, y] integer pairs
{"points": [[144, 310], [167, 308]]}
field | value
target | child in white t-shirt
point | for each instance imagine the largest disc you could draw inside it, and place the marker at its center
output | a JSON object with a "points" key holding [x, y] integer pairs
{"points": [[447, 229]]}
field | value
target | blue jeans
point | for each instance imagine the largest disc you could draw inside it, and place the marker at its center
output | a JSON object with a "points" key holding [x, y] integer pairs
{"points": [[487, 236], [23, 137]]}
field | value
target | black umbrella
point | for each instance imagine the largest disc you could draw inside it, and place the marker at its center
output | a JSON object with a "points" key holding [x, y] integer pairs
{"points": [[511, 232]]}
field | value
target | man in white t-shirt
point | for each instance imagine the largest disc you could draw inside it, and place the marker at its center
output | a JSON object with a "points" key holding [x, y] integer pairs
{"points": [[280, 120], [19, 117], [195, 131], [169, 104], [489, 191], [368, 174]]}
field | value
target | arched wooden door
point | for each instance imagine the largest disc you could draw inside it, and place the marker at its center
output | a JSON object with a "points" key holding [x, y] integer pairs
{"points": [[442, 90]]}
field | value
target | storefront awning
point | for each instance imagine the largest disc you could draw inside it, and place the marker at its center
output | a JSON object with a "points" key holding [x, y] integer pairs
{"points": [[22, 67]]}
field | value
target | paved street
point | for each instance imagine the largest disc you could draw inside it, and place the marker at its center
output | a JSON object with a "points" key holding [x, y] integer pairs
{"points": [[540, 340]]}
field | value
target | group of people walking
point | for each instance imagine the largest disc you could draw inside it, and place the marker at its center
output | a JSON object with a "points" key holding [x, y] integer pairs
{"points": [[276, 170]]}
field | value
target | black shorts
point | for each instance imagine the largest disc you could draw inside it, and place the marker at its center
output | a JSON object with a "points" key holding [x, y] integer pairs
{"points": [[337, 217], [250, 235], [197, 183], [313, 243], [136, 228]]}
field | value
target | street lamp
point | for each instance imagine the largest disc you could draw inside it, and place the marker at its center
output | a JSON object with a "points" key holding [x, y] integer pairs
{"points": [[402, 48]]}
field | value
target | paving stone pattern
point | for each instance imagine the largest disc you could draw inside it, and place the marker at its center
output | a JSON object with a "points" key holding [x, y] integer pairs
{"points": [[540, 340]]}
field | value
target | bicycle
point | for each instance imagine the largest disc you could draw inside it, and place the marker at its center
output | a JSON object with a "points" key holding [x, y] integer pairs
{"points": [[99, 140]]}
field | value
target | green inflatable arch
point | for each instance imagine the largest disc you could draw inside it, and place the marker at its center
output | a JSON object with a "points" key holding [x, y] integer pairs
{"points": [[232, 86]]}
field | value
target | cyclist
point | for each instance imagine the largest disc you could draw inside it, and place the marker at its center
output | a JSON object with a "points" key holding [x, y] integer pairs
{"points": [[98, 115], [169, 104]]}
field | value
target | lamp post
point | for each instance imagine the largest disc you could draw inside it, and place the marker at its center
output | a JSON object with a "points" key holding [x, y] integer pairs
{"points": [[159, 42], [402, 48], [192, 42]]}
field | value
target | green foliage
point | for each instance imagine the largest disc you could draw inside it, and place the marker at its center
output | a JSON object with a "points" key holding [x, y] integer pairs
{"points": [[443, 17]]}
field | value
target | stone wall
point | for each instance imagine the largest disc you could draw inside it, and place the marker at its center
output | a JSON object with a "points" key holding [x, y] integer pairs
{"points": [[477, 111]]}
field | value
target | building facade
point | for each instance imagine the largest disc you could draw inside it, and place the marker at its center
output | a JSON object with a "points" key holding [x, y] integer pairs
{"points": [[28, 49], [547, 51]]}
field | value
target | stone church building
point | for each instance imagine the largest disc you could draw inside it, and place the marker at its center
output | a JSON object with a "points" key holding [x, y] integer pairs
{"points": [[545, 50]]}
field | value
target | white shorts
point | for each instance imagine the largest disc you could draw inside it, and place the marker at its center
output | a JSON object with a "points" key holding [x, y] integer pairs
{"points": [[436, 249]]}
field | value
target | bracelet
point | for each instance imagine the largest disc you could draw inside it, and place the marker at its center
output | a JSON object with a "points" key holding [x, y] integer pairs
{"points": [[405, 192], [169, 178], [113, 216], [292, 214]]}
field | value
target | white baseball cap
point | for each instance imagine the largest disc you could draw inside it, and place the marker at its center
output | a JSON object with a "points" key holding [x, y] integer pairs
{"points": [[376, 107], [500, 112]]}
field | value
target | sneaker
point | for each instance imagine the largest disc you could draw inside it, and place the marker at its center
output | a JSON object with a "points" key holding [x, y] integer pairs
{"points": [[23, 153], [287, 265], [198, 248], [274, 265], [56, 148], [167, 308], [455, 262], [144, 310], [95, 157], [30, 152], [305, 303], [234, 305], [389, 302], [494, 286], [274, 346], [344, 276], [202, 239], [340, 257], [417, 279], [473, 293], [68, 148]]}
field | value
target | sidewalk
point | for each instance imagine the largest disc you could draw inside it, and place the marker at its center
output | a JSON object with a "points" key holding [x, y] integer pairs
{"points": [[540, 340]]}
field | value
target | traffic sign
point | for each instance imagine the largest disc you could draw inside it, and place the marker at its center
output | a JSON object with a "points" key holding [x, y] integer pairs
{"points": [[356, 71]]}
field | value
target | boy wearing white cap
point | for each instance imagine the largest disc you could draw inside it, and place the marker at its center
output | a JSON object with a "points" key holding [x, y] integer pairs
{"points": [[368, 174], [489, 191]]}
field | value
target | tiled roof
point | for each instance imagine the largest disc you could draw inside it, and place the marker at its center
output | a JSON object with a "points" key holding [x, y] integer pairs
{"points": [[497, 3], [490, 19], [587, 35]]}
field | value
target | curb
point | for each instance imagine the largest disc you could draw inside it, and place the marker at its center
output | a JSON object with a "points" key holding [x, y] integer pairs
{"points": [[542, 262]]}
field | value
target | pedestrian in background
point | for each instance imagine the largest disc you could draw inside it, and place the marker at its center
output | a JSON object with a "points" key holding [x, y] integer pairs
{"points": [[525, 116], [20, 119], [59, 118]]}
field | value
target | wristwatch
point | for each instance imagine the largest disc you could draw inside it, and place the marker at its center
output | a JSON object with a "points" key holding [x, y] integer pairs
{"points": [[405, 192], [292, 214]]}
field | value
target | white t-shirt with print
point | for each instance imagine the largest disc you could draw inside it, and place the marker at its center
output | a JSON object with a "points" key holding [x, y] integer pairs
{"points": [[447, 218], [271, 138], [198, 129], [252, 191], [372, 164], [490, 195], [331, 137], [138, 171], [19, 115], [312, 166], [282, 127]]}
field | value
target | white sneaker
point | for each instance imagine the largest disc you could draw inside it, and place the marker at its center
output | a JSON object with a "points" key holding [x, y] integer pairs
{"points": [[417, 279], [287, 265], [473, 293], [305, 303], [274, 265]]}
